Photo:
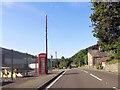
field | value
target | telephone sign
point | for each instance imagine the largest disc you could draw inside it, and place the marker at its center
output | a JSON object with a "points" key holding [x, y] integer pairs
{"points": [[42, 64]]}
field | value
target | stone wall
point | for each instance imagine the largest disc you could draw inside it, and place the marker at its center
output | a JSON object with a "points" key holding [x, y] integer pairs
{"points": [[113, 67]]}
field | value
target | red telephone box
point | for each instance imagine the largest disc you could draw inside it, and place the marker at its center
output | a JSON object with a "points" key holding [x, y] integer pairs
{"points": [[42, 64]]}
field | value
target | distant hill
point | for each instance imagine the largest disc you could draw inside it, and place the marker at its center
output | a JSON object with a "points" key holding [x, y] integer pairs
{"points": [[81, 58], [54, 59]]}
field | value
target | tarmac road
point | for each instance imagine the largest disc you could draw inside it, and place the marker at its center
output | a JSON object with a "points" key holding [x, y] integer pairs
{"points": [[81, 78]]}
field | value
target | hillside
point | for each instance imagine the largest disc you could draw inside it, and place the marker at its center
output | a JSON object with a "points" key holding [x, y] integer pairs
{"points": [[81, 57]]}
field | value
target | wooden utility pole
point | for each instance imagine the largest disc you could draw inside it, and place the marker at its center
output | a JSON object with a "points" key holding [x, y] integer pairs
{"points": [[46, 35], [46, 40]]}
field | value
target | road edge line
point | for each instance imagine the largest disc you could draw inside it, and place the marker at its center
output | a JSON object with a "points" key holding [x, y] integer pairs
{"points": [[50, 81], [55, 80]]}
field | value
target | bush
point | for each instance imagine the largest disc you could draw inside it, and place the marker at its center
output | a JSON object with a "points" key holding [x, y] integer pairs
{"points": [[113, 61]]}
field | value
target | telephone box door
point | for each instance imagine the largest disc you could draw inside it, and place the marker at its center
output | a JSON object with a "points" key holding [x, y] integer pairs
{"points": [[42, 63]]}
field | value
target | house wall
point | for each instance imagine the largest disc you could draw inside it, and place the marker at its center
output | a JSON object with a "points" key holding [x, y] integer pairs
{"points": [[90, 60], [93, 61], [103, 64]]}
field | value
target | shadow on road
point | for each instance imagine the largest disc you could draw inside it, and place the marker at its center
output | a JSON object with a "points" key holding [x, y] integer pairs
{"points": [[5, 83], [28, 76], [70, 73]]}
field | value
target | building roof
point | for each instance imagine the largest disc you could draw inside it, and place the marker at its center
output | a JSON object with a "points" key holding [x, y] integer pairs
{"points": [[97, 53], [104, 59]]}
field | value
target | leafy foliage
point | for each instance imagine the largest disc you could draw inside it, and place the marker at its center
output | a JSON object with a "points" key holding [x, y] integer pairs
{"points": [[63, 62], [86, 59], [55, 63], [81, 57], [106, 23]]}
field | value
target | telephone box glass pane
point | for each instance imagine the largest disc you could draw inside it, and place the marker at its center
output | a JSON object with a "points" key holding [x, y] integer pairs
{"points": [[42, 65]]}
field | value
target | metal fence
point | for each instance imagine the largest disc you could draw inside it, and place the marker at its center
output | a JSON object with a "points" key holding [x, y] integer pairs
{"points": [[15, 62], [49, 64]]}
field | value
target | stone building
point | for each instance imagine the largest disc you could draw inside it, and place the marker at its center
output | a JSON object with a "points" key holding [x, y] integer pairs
{"points": [[94, 57], [103, 61]]}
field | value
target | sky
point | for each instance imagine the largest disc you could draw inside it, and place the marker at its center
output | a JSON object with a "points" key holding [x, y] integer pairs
{"points": [[23, 27]]}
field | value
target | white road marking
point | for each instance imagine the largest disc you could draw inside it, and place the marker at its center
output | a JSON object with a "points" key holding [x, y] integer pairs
{"points": [[55, 80], [85, 71], [96, 77]]}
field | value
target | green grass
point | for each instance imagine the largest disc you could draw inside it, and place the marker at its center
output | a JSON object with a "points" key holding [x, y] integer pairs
{"points": [[113, 61], [56, 69], [100, 69]]}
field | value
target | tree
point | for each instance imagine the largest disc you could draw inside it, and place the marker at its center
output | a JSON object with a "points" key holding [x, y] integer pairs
{"points": [[86, 59], [54, 63], [79, 58], [117, 46], [106, 23], [63, 62]]}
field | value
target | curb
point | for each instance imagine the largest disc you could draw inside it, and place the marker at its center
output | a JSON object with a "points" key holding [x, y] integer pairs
{"points": [[47, 83]]}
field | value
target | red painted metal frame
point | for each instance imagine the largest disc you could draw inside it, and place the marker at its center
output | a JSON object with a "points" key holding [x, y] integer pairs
{"points": [[42, 55]]}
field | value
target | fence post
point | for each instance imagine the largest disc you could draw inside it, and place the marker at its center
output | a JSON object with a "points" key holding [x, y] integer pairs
{"points": [[26, 64], [12, 64], [36, 64]]}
